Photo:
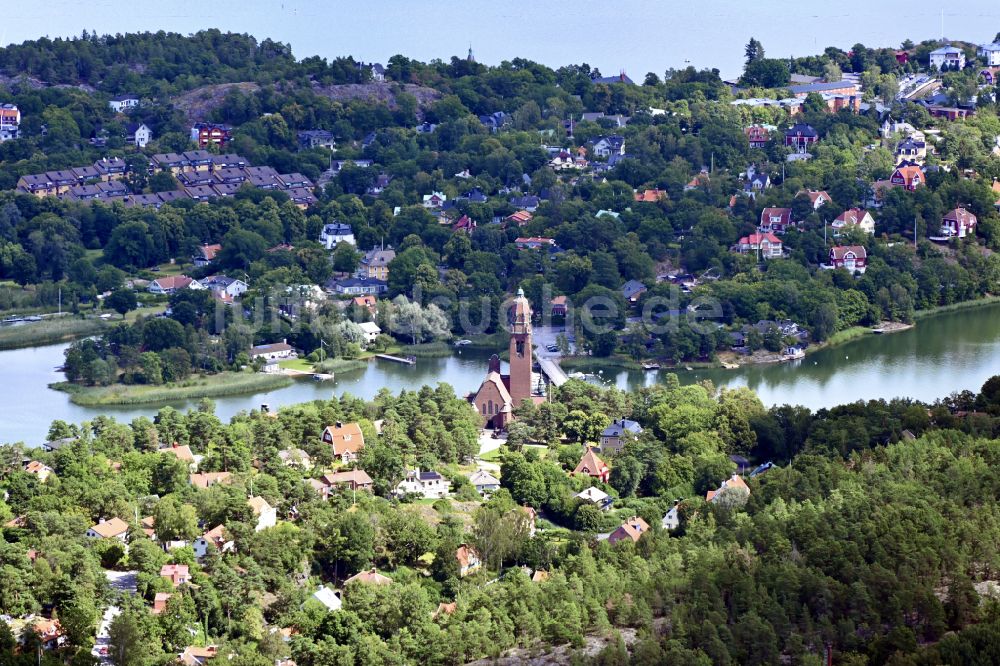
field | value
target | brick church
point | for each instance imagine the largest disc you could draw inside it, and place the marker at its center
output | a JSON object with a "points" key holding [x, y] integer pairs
{"points": [[499, 394]]}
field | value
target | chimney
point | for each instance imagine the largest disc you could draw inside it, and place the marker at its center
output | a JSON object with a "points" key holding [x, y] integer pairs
{"points": [[339, 424]]}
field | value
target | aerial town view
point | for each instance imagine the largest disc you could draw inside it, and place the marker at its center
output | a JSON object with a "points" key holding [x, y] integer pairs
{"points": [[399, 338]]}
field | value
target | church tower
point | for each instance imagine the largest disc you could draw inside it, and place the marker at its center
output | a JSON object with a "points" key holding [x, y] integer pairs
{"points": [[520, 349]]}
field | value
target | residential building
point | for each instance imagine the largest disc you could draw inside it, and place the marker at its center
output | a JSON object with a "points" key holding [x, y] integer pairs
{"points": [[558, 306], [622, 77], [650, 196], [160, 602], [529, 202], [206, 254], [345, 439], [376, 70], [484, 482], [184, 454], [911, 149], [367, 302], [990, 53], [947, 57], [817, 198], [138, 134], [334, 233], [328, 598], [800, 136], [619, 433], [593, 467], [273, 352], [172, 162], [122, 103], [295, 458], [495, 121], [355, 479], [843, 87], [909, 177], [465, 224], [317, 138], [429, 484], [853, 258], [534, 243], [169, 285], [595, 496], [519, 218], [468, 560], [375, 264], [369, 577], [434, 200], [672, 519], [215, 538], [115, 528], [758, 135], [633, 290], [207, 134], [958, 223], [197, 656], [735, 485], [267, 515], [606, 146], [853, 218], [39, 470], [10, 122], [766, 245], [205, 480], [371, 331], [357, 286], [225, 287], [177, 574], [631, 529]]}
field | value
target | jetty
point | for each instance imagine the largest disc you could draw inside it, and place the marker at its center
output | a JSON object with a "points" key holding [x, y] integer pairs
{"points": [[408, 360]]}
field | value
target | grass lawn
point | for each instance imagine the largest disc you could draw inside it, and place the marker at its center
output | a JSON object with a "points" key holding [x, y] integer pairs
{"points": [[296, 364], [200, 386], [494, 455]]}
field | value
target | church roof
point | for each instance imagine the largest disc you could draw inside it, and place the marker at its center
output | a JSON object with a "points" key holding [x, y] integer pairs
{"points": [[496, 378]]}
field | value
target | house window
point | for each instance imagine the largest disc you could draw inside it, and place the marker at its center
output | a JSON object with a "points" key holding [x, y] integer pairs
{"points": [[519, 346]]}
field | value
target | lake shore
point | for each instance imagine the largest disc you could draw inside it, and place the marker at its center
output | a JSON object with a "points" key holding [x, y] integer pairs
{"points": [[49, 332], [202, 386]]}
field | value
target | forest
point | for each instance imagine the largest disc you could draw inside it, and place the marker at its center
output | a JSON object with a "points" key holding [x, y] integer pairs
{"points": [[872, 535]]}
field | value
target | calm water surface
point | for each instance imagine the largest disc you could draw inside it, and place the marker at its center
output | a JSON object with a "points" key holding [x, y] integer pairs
{"points": [[949, 352]]}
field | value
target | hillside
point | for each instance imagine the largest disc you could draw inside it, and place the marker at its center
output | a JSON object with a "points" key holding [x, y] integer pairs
{"points": [[198, 104], [377, 92]]}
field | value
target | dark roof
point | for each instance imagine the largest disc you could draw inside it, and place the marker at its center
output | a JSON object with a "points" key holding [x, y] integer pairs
{"points": [[801, 128], [632, 287], [820, 87], [620, 427]]}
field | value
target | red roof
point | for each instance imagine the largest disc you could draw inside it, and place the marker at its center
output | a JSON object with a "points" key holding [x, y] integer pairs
{"points": [[650, 195], [838, 252], [591, 465], [784, 216], [757, 239]]}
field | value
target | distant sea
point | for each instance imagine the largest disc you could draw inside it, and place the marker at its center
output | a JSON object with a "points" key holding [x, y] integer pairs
{"points": [[627, 35]]}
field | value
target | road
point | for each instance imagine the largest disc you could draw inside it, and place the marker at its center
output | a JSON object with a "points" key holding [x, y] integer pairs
{"points": [[101, 645]]}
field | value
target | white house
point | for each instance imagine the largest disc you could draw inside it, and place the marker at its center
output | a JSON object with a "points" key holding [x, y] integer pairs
{"points": [[606, 146], [116, 528], [217, 538], [371, 330], [595, 496], [434, 200], [484, 482], [169, 285], [226, 286], [990, 53], [854, 217], [138, 134], [122, 103], [330, 599], [958, 223], [334, 233], [267, 515], [671, 521], [430, 485], [273, 352], [948, 57]]}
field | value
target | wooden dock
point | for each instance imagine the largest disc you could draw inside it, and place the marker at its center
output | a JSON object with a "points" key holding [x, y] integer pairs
{"points": [[409, 360]]}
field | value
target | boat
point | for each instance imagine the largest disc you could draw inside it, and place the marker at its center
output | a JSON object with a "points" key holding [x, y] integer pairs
{"points": [[323, 376], [12, 320], [650, 366], [462, 343], [33, 318], [730, 366], [577, 375], [878, 331]]}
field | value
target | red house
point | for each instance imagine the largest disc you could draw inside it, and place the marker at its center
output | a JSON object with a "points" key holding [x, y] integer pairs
{"points": [[775, 220], [853, 258], [910, 177], [593, 466], [757, 135], [767, 244], [958, 223], [800, 136]]}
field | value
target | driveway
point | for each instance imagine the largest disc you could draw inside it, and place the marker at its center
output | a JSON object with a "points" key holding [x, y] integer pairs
{"points": [[101, 645], [123, 581]]}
